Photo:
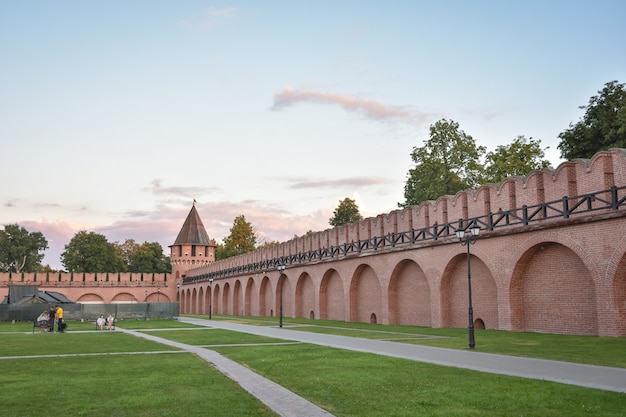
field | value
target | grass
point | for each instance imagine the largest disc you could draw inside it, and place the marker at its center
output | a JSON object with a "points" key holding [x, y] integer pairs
{"points": [[122, 385], [344, 382], [215, 337]]}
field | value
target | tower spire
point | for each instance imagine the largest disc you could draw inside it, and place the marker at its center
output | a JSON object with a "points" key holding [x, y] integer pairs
{"points": [[193, 247]]}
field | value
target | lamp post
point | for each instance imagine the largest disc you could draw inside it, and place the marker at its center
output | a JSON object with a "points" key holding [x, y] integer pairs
{"points": [[158, 294], [468, 239], [281, 270], [210, 299], [178, 298]]}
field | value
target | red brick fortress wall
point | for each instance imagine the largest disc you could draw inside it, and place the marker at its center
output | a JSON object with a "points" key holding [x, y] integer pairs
{"points": [[536, 266]]}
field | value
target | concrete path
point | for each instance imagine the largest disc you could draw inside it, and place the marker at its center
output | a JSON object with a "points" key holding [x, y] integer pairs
{"points": [[600, 377], [282, 401]]}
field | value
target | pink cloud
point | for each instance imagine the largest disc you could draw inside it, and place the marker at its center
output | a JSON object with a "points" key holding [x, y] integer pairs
{"points": [[58, 234], [163, 224], [298, 183], [370, 109]]}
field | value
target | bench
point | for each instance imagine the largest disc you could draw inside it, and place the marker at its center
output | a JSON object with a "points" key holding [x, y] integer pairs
{"points": [[44, 326]]}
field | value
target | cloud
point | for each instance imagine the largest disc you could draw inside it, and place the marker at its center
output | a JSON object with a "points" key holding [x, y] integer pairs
{"points": [[187, 192], [210, 17], [163, 224], [58, 234], [301, 183], [370, 109]]}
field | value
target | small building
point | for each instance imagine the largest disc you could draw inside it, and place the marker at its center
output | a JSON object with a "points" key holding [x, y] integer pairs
{"points": [[30, 294]]}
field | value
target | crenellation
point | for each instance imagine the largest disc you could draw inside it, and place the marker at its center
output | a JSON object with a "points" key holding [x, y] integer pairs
{"points": [[481, 203], [457, 207], [364, 228], [440, 210], [80, 278], [421, 215], [404, 220]]}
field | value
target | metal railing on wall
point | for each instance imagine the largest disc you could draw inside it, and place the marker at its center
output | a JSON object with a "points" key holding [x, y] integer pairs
{"points": [[610, 200]]}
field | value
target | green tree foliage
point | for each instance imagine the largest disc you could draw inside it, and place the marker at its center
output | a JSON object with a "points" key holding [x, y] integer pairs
{"points": [[268, 244], [602, 127], [346, 212], [91, 252], [518, 158], [20, 249], [242, 239], [147, 257], [448, 163]]}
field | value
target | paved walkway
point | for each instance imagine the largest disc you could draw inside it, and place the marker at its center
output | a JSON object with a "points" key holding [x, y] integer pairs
{"points": [[287, 404]]}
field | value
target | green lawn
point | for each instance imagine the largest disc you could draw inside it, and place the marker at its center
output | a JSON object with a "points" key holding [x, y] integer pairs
{"points": [[122, 385], [116, 380]]}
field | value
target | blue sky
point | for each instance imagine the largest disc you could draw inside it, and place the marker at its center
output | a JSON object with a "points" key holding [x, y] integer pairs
{"points": [[115, 115]]}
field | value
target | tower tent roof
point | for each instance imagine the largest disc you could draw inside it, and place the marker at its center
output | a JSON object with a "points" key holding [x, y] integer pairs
{"points": [[193, 232]]}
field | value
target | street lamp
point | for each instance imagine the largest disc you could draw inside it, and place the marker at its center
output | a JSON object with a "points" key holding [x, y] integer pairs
{"points": [[210, 299], [281, 270], [467, 239], [158, 294]]}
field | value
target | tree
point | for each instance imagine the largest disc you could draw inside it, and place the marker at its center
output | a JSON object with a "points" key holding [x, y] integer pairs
{"points": [[268, 244], [518, 158], [20, 249], [242, 239], [346, 212], [448, 162], [147, 257], [602, 127], [91, 252]]}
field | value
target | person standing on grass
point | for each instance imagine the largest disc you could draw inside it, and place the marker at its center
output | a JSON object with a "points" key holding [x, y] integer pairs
{"points": [[53, 313], [60, 323]]}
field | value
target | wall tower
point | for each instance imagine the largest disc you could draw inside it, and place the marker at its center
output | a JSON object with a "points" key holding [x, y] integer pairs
{"points": [[192, 247]]}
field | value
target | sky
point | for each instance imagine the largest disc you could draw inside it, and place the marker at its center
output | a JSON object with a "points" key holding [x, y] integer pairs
{"points": [[116, 115]]}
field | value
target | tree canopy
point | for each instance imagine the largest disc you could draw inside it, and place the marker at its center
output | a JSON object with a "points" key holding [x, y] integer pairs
{"points": [[147, 257], [242, 239], [447, 163], [602, 127], [21, 250], [91, 252], [517, 158], [450, 161], [346, 212]]}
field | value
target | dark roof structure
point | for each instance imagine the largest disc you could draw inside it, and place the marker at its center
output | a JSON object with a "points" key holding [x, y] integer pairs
{"points": [[193, 231], [30, 294]]}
